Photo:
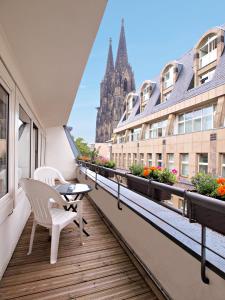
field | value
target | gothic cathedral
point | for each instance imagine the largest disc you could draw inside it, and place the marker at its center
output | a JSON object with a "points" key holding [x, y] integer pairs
{"points": [[116, 84]]}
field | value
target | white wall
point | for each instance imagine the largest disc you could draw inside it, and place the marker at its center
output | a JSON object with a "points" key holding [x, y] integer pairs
{"points": [[59, 154], [14, 207], [176, 270]]}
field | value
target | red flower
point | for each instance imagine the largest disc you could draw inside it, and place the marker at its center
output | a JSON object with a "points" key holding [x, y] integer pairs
{"points": [[146, 173], [221, 190], [221, 180]]}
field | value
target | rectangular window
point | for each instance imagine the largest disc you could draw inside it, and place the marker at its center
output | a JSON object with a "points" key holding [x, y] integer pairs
{"points": [[158, 129], [159, 162], [203, 163], [206, 77], [208, 51], [129, 160], [136, 134], [135, 158], [223, 165], [198, 120], [170, 161], [124, 160], [120, 159], [24, 138], [184, 164], [149, 158], [4, 121], [142, 159], [168, 78]]}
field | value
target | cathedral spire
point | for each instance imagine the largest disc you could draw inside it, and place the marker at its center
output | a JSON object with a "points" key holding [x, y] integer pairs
{"points": [[121, 59], [110, 63]]}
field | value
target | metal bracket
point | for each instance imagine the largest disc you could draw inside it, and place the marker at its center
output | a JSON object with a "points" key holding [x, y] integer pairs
{"points": [[96, 179], [205, 279], [118, 193], [86, 172]]}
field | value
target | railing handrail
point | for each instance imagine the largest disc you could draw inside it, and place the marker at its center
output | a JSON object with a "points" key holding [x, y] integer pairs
{"points": [[194, 197]]}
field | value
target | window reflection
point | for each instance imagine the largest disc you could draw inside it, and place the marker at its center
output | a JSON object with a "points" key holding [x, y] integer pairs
{"points": [[4, 105]]}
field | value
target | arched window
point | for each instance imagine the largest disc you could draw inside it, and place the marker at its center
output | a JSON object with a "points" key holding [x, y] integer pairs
{"points": [[208, 50], [206, 55], [168, 77], [146, 92]]}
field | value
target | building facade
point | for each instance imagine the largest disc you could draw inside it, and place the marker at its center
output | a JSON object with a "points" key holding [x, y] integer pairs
{"points": [[118, 81], [177, 120]]}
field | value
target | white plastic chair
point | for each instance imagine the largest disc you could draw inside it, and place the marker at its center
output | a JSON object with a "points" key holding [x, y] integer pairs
{"points": [[41, 197], [49, 175]]}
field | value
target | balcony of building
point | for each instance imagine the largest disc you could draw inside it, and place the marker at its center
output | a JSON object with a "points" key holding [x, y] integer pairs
{"points": [[136, 248]]}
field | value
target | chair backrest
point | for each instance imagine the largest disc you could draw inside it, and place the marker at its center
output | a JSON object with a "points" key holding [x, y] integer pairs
{"points": [[39, 195], [48, 175]]}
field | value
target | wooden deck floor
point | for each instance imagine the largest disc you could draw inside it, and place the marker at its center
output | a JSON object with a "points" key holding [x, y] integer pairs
{"points": [[100, 269]]}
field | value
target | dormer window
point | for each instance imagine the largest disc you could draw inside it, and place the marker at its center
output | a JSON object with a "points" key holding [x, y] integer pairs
{"points": [[146, 92], [168, 77], [208, 51], [129, 103]]}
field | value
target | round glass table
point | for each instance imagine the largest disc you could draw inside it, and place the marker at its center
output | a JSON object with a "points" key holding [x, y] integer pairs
{"points": [[78, 190]]}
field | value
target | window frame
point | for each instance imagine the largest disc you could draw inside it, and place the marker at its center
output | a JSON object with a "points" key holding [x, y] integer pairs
{"points": [[194, 118], [8, 131], [202, 163], [142, 159], [149, 159], [222, 164], [170, 162], [184, 162], [159, 160]]}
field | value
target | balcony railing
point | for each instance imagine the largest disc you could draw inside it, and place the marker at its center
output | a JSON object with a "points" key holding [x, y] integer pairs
{"points": [[207, 212]]}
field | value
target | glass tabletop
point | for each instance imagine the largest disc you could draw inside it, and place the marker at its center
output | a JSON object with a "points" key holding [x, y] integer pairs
{"points": [[73, 189]]}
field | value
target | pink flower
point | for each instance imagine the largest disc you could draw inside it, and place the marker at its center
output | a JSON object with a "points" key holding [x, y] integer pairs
{"points": [[159, 168], [174, 171]]}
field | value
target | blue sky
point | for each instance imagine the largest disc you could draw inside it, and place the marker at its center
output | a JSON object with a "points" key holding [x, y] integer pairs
{"points": [[156, 32]]}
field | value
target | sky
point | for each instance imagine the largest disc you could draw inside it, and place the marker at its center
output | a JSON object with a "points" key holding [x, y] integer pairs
{"points": [[156, 33]]}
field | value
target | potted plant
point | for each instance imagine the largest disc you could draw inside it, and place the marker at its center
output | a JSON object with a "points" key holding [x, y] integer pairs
{"points": [[206, 204], [106, 164], [148, 174]]}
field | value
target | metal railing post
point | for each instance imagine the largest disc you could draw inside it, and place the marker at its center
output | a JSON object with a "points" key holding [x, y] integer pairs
{"points": [[205, 279], [118, 192]]}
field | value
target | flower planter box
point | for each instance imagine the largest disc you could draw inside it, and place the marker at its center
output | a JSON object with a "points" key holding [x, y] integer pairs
{"points": [[106, 172], [207, 211], [142, 186]]}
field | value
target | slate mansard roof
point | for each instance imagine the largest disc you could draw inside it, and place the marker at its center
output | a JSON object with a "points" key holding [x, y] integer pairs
{"points": [[180, 91]]}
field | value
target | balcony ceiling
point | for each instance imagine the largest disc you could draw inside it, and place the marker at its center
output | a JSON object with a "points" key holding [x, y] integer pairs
{"points": [[50, 41]]}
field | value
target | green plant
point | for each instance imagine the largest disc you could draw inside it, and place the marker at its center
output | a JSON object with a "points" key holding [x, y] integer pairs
{"points": [[110, 164], [205, 184], [166, 176], [93, 155], [136, 170]]}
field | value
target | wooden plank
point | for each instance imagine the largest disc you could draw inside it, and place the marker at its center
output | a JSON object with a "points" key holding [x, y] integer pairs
{"points": [[100, 269], [121, 292], [37, 267], [85, 288], [63, 270]]}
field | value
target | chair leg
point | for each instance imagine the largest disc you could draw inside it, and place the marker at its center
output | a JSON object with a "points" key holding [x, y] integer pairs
{"points": [[81, 229], [54, 244], [32, 237]]}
